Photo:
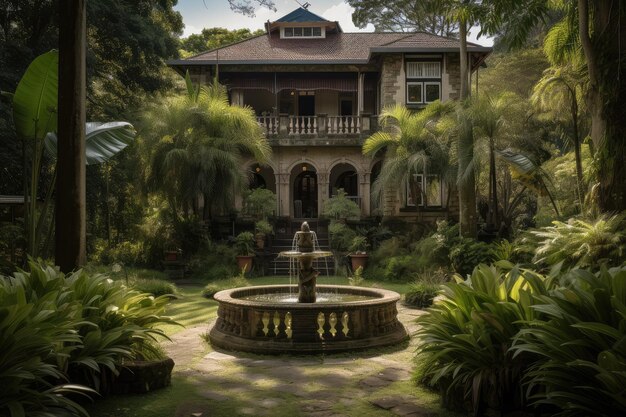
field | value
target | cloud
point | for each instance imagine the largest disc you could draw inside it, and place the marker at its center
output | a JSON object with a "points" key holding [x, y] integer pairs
{"points": [[342, 13], [189, 30]]}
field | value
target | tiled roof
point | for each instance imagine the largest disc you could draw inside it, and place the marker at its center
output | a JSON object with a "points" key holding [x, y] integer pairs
{"points": [[301, 15], [335, 48]]}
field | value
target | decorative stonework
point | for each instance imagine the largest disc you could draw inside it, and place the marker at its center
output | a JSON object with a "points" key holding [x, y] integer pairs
{"points": [[274, 327], [392, 80]]}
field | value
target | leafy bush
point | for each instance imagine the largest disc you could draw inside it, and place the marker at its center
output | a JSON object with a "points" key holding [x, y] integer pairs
{"points": [[127, 253], [259, 203], [579, 338], [235, 282], [340, 207], [79, 327], [421, 294], [264, 227], [213, 262], [401, 268], [467, 335], [468, 253], [341, 236], [156, 287], [580, 243], [357, 278], [244, 243], [358, 244]]}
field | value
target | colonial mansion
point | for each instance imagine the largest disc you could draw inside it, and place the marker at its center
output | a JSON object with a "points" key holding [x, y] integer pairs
{"points": [[318, 93]]}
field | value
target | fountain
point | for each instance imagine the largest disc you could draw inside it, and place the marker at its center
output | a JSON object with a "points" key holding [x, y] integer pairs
{"points": [[324, 318]]}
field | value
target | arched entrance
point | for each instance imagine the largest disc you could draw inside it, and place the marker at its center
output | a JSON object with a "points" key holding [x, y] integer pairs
{"points": [[305, 193], [344, 176]]}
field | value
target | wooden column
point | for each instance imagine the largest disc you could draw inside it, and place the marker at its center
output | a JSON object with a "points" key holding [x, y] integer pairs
{"points": [[70, 198]]}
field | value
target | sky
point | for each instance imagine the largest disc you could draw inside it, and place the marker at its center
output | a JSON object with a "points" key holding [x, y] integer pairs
{"points": [[199, 14]]}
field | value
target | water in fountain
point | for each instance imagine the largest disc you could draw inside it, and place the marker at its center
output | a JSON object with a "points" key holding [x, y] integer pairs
{"points": [[305, 253], [293, 262]]}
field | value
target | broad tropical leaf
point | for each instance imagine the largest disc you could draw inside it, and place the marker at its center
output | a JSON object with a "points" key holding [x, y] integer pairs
{"points": [[35, 100], [102, 140]]}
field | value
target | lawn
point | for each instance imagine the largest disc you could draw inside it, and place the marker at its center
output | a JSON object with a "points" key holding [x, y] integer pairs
{"points": [[194, 389]]}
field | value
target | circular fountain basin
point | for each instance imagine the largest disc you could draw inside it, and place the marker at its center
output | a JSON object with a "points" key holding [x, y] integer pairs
{"points": [[297, 254], [268, 319]]}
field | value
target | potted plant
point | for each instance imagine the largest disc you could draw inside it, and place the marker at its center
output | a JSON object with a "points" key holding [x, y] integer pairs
{"points": [[358, 255], [262, 229], [244, 244], [172, 252]]}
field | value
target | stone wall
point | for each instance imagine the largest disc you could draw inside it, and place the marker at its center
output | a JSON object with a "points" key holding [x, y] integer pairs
{"points": [[392, 80], [452, 77]]}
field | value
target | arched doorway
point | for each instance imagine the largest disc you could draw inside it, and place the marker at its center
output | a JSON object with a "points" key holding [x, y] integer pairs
{"points": [[305, 193], [344, 176]]}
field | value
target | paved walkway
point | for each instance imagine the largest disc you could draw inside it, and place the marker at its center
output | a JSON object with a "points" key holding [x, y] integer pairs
{"points": [[366, 384]]}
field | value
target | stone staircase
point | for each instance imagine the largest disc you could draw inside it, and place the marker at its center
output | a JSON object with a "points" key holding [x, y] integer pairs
{"points": [[283, 241]]}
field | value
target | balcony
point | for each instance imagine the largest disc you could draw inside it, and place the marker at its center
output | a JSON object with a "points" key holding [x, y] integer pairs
{"points": [[286, 130]]}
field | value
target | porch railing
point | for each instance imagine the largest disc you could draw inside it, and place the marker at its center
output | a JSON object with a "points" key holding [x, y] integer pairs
{"points": [[269, 123], [344, 125], [320, 125]]}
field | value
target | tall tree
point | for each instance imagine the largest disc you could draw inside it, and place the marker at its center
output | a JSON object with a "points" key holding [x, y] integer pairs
{"points": [[559, 95], [71, 214], [211, 38], [412, 147], [404, 16], [195, 145]]}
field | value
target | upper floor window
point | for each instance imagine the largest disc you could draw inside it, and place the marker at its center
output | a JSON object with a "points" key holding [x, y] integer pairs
{"points": [[303, 32], [423, 82]]}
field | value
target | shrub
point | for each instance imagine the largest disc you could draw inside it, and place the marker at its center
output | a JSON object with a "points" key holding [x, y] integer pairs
{"points": [[156, 287], [244, 244], [264, 227], [235, 282], [579, 338], [580, 243], [78, 326], [259, 203], [357, 279], [213, 262], [421, 294], [465, 337], [401, 268], [340, 207], [358, 244], [469, 253], [341, 236]]}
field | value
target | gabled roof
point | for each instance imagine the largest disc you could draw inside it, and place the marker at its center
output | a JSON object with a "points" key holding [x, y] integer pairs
{"points": [[301, 15], [336, 48]]}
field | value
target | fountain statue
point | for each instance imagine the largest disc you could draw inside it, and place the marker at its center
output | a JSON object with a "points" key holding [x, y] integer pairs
{"points": [[325, 318]]}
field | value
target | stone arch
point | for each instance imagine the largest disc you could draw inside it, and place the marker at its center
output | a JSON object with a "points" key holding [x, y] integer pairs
{"points": [[304, 191]]}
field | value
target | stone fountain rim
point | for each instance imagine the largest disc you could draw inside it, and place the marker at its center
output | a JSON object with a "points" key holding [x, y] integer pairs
{"points": [[382, 297]]}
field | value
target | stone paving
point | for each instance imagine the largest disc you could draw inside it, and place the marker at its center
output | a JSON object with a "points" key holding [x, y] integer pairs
{"points": [[363, 384]]}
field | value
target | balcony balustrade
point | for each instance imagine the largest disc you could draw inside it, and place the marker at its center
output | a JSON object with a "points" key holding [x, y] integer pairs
{"points": [[340, 128]]}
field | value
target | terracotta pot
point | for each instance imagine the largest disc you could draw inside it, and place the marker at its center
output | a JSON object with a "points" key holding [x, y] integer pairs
{"points": [[359, 260], [244, 261]]}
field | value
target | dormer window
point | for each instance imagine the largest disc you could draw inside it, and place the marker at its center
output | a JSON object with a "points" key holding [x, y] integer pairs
{"points": [[303, 32]]}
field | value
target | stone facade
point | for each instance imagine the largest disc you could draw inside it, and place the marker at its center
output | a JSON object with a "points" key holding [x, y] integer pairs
{"points": [[392, 80]]}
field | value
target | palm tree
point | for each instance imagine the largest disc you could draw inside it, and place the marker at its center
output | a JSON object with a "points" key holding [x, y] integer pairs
{"points": [[196, 143], [491, 116], [559, 95], [411, 147]]}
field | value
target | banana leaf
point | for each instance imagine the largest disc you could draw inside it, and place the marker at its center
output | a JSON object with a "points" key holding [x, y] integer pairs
{"points": [[35, 100], [102, 140]]}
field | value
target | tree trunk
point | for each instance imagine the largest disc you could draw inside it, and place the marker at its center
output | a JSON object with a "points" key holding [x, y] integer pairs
{"points": [[604, 47], [465, 149], [71, 199], [579, 163]]}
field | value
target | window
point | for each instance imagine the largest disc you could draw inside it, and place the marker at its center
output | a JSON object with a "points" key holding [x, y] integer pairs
{"points": [[423, 82], [423, 69], [432, 91], [414, 93], [303, 32], [426, 190]]}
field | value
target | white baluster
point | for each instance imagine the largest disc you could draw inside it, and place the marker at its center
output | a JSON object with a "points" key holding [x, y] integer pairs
{"points": [[314, 131]]}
